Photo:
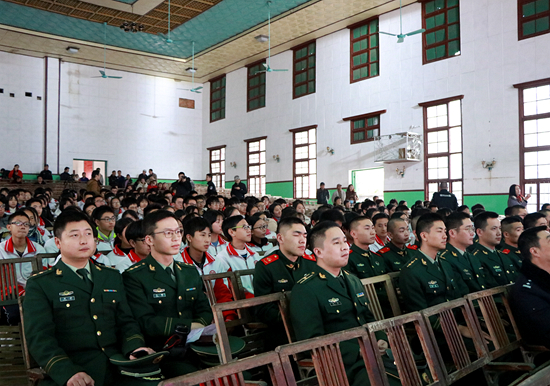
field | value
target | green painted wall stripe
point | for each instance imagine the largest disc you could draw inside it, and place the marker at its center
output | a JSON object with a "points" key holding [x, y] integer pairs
{"points": [[409, 196], [494, 202], [284, 189]]}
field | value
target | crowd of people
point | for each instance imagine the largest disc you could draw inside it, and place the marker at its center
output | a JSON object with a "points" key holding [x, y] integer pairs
{"points": [[137, 253]]}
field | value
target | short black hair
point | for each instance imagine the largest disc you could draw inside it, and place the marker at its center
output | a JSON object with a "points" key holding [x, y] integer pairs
{"points": [[100, 211], [288, 222], [480, 221], [150, 221], [355, 222], [289, 211], [296, 203], [130, 213], [478, 206], [175, 198], [425, 223], [152, 207], [195, 224], [211, 200], [332, 215], [392, 224], [514, 210], [230, 223], [531, 219], [67, 217], [228, 211], [529, 239], [454, 220], [119, 228], [212, 216], [379, 216], [32, 201], [135, 231], [317, 234], [506, 224], [444, 212], [19, 212]]}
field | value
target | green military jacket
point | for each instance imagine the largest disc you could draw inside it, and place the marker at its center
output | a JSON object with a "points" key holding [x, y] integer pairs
{"points": [[396, 258], [513, 254], [70, 329], [469, 268], [424, 284], [276, 273], [364, 263], [496, 264], [320, 305], [159, 304]]}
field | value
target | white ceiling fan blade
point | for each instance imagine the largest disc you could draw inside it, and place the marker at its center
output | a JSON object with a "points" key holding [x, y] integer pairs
{"points": [[259, 72], [419, 31], [265, 65], [280, 70], [96, 77], [387, 33], [115, 77], [401, 39], [198, 88]]}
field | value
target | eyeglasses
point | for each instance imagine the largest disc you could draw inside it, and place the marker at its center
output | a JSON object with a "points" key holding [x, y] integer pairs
{"points": [[261, 227], [2, 206], [245, 227], [109, 219], [169, 233], [21, 224]]}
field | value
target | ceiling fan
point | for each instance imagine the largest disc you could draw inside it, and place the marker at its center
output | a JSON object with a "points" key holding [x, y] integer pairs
{"points": [[267, 65], [166, 36], [401, 36], [102, 72], [192, 70]]}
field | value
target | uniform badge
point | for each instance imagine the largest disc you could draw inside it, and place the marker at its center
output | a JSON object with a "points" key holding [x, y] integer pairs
{"points": [[282, 281], [291, 266], [66, 293], [178, 267], [155, 296], [66, 299], [109, 290], [151, 267], [191, 289], [58, 272], [497, 268], [433, 284], [334, 302], [158, 290], [377, 262], [467, 272], [360, 265], [360, 294]]}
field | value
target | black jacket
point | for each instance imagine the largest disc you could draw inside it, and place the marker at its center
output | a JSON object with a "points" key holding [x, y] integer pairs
{"points": [[445, 199], [211, 190], [46, 175], [323, 196], [530, 303], [65, 176], [239, 193], [182, 188]]}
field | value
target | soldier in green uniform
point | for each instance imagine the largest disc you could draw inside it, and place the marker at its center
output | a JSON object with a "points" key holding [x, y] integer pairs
{"points": [[496, 264], [460, 235], [362, 262], [77, 315], [428, 280], [331, 300], [512, 228], [396, 253], [165, 294]]}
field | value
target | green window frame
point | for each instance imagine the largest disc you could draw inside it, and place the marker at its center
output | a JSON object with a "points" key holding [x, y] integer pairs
{"points": [[441, 20], [217, 99], [364, 50], [304, 62], [533, 18], [255, 87]]}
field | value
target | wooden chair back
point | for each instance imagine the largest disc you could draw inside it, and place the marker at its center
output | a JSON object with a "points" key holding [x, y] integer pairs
{"points": [[253, 341], [228, 278], [34, 372], [12, 365], [238, 278], [445, 316], [9, 291], [46, 259], [231, 374], [327, 358], [399, 342], [371, 284], [494, 308]]}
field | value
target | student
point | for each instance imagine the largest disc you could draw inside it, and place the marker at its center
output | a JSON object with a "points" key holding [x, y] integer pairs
{"points": [[136, 238], [211, 187], [258, 242], [118, 257], [236, 254], [105, 220], [166, 295], [380, 222], [512, 228], [213, 203], [13, 204], [276, 211], [217, 242], [3, 216], [396, 252], [64, 333], [177, 202], [201, 202]]}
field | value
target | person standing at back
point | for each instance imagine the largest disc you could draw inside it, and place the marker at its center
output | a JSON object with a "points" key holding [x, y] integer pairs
{"points": [[444, 198]]}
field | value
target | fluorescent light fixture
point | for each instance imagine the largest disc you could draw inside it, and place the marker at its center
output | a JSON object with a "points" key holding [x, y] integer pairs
{"points": [[261, 38], [72, 50], [191, 70]]}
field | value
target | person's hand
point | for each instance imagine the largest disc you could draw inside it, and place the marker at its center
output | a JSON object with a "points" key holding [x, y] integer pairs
{"points": [[149, 351], [237, 187], [465, 332], [527, 197], [194, 326], [382, 346], [80, 379]]}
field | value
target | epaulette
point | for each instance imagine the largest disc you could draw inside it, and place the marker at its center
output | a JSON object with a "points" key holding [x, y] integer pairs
{"points": [[270, 259], [443, 253], [384, 250], [413, 247], [183, 264], [136, 266], [505, 251], [309, 257], [49, 270], [475, 252], [306, 277], [412, 262]]}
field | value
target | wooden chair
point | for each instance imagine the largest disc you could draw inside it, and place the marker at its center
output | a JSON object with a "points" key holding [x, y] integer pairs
{"points": [[255, 331], [9, 291], [241, 293], [232, 374], [327, 358], [49, 257], [371, 285], [34, 372], [463, 361], [12, 365], [228, 278], [402, 352]]}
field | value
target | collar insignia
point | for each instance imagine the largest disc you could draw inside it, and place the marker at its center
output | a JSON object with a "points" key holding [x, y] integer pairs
{"points": [[151, 267], [291, 266], [454, 254], [158, 290], [485, 252], [401, 253], [377, 262], [282, 281], [58, 272], [66, 293], [365, 254], [424, 262], [322, 276]]}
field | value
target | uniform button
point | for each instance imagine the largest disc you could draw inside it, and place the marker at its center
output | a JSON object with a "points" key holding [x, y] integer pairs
{"points": [[114, 301], [179, 297], [337, 311], [179, 313], [99, 333], [68, 305], [355, 304], [507, 271], [477, 275], [95, 317], [358, 318], [482, 286], [192, 298], [102, 349], [160, 301], [92, 300], [448, 288]]}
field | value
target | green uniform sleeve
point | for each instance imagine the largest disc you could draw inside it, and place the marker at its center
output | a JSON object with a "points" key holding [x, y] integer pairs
{"points": [[40, 335], [305, 313], [263, 285]]}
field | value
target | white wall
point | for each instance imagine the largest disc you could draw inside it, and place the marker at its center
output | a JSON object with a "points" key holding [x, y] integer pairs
{"points": [[491, 61]]}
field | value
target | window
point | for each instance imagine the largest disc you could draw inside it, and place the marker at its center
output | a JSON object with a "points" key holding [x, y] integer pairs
{"points": [[256, 86], [256, 166], [305, 162], [365, 127], [364, 61], [441, 20], [534, 116], [304, 70], [533, 18], [217, 165], [443, 146], [217, 99]]}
